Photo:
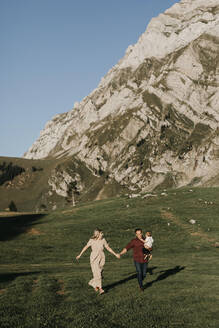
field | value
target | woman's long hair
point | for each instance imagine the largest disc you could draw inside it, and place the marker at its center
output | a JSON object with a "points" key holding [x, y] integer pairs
{"points": [[96, 233]]}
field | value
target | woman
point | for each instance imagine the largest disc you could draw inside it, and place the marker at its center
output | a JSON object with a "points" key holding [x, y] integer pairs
{"points": [[97, 258]]}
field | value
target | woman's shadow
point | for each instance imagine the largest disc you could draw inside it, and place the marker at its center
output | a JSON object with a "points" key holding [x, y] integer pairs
{"points": [[164, 274]]}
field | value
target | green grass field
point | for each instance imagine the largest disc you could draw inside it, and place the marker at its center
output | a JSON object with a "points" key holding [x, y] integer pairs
{"points": [[41, 285]]}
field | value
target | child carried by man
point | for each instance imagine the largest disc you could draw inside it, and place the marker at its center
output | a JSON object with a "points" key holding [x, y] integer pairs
{"points": [[148, 245]]}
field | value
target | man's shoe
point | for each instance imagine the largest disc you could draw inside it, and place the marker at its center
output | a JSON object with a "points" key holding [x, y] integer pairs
{"points": [[141, 289]]}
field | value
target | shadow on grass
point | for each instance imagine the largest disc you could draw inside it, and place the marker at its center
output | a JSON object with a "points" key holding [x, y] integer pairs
{"points": [[120, 282], [150, 270], [123, 281], [11, 227], [165, 274], [8, 277]]}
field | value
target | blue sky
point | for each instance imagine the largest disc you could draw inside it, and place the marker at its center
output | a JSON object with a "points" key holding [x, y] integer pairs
{"points": [[54, 52]]}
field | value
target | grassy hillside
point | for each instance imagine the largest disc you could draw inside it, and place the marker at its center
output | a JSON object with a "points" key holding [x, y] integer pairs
{"points": [[29, 188], [40, 285]]}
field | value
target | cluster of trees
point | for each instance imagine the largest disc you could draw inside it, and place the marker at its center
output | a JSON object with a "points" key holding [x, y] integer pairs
{"points": [[9, 171]]}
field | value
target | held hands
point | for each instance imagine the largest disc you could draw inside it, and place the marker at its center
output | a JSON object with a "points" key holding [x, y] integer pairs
{"points": [[118, 256]]}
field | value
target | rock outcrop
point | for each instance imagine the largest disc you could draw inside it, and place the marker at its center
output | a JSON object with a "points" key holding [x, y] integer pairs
{"points": [[154, 118]]}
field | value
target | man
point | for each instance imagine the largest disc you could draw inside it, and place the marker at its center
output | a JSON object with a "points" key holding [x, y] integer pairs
{"points": [[140, 263]]}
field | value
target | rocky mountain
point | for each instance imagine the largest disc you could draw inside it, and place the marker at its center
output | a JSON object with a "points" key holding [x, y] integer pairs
{"points": [[153, 121]]}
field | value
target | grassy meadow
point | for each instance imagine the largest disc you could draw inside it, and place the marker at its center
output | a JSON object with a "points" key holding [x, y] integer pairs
{"points": [[42, 285]]}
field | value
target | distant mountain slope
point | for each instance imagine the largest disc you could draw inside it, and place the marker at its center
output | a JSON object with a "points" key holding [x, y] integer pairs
{"points": [[41, 185], [153, 120]]}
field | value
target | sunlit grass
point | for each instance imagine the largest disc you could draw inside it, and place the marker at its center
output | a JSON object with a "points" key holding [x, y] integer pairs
{"points": [[41, 284]]}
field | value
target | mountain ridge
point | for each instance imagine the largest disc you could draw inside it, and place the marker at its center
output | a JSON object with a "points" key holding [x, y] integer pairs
{"points": [[153, 119]]}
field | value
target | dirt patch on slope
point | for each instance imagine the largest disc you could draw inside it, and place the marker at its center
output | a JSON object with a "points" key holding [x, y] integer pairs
{"points": [[61, 291], [170, 217], [33, 231]]}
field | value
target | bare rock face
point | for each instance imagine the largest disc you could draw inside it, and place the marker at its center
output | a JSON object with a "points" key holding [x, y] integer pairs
{"points": [[153, 119]]}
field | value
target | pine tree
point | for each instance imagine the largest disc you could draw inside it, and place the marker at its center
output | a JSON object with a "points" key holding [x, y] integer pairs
{"points": [[12, 207]]}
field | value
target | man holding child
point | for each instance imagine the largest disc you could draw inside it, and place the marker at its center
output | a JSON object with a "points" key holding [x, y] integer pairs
{"points": [[140, 260]]}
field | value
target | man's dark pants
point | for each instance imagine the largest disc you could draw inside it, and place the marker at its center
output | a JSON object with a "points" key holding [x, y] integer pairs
{"points": [[141, 269]]}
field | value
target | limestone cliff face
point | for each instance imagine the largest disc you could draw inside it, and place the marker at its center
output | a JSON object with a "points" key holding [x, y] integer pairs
{"points": [[153, 119]]}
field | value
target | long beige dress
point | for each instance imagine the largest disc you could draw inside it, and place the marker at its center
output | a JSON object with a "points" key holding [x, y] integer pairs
{"points": [[97, 260]]}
